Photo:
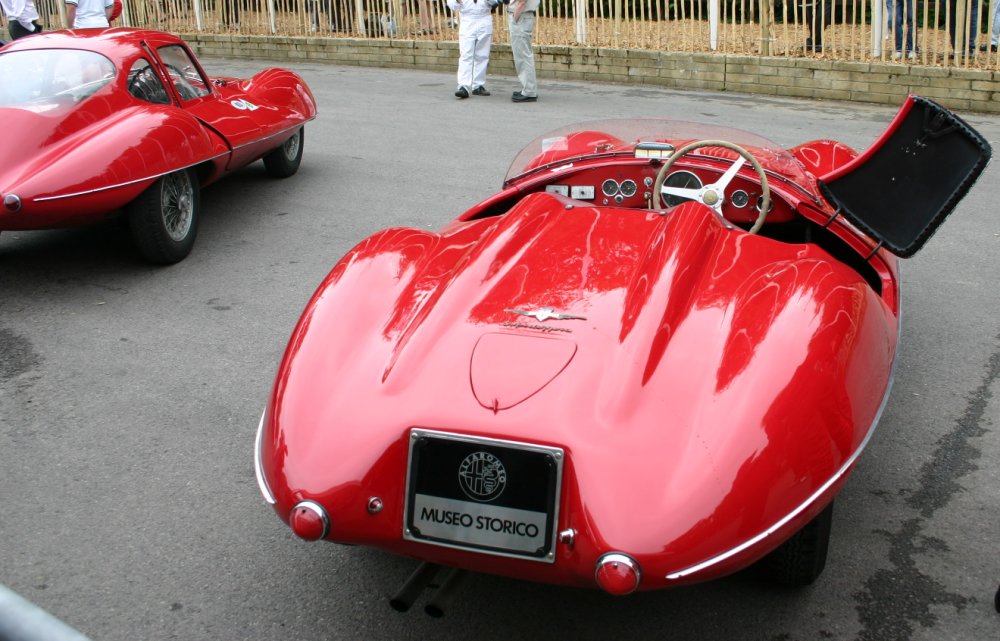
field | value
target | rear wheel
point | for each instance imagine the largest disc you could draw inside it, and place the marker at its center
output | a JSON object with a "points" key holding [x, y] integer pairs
{"points": [[285, 160], [164, 218], [800, 560]]}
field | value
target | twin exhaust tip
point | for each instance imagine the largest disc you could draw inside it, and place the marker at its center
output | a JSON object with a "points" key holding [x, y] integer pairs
{"points": [[425, 577], [615, 573]]}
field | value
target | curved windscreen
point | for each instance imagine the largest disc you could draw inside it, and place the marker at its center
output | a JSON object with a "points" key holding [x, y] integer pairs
{"points": [[620, 136], [49, 78]]}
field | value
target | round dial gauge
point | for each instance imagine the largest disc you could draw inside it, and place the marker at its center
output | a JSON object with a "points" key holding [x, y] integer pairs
{"points": [[610, 187], [628, 188], [740, 198], [680, 180]]}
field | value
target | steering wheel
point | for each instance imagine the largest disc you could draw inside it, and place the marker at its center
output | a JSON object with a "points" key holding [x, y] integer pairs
{"points": [[146, 85], [715, 194]]}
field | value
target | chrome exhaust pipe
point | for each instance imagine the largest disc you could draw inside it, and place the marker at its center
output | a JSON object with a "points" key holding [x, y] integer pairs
{"points": [[444, 594], [418, 581]]}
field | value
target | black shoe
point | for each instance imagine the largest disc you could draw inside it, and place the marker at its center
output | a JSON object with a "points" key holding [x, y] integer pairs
{"points": [[520, 97], [813, 47], [480, 91], [515, 94], [988, 48], [462, 92]]}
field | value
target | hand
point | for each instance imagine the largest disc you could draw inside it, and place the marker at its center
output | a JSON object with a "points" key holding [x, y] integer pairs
{"points": [[519, 6]]}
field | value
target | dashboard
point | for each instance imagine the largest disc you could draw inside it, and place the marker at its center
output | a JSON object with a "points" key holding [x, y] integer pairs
{"points": [[630, 185]]}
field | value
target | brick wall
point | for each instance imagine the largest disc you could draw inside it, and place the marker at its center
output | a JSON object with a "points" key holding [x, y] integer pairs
{"points": [[959, 89]]}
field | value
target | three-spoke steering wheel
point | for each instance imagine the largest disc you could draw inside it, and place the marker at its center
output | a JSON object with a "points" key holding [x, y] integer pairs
{"points": [[713, 195]]}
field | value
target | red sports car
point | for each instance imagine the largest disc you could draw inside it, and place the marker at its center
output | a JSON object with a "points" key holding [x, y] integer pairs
{"points": [[651, 359], [101, 121]]}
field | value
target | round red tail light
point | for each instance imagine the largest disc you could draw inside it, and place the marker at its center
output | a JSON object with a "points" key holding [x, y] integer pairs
{"points": [[309, 521], [12, 202], [617, 573]]}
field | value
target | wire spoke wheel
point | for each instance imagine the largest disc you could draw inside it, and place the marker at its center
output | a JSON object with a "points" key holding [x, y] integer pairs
{"points": [[285, 160], [177, 205], [291, 147], [164, 218]]}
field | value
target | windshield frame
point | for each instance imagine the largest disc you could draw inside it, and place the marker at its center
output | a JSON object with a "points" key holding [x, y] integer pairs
{"points": [[617, 137]]}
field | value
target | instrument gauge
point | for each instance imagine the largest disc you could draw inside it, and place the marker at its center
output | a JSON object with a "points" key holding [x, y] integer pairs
{"points": [[629, 188], [740, 198], [609, 187], [680, 180]]}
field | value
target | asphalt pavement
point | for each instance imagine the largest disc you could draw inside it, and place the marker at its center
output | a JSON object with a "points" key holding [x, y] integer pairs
{"points": [[130, 394]]}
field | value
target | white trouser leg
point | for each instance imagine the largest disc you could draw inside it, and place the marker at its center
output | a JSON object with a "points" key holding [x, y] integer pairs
{"points": [[996, 25], [481, 54], [520, 46], [466, 50]]}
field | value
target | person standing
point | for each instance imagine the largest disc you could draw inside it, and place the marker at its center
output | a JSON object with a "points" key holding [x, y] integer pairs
{"points": [[816, 21], [901, 11], [521, 26], [475, 35], [994, 42], [89, 14], [22, 18], [424, 16], [971, 24]]}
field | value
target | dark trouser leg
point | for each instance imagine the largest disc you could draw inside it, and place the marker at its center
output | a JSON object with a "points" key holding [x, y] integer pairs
{"points": [[18, 31], [816, 20]]}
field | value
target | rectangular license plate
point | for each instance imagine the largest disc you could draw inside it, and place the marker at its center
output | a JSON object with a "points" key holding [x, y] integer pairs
{"points": [[489, 495]]}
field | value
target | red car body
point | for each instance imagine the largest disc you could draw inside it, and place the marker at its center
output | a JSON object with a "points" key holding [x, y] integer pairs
{"points": [[573, 383], [98, 119]]}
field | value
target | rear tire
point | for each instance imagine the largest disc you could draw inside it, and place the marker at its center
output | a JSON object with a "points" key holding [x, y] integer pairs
{"points": [[800, 560], [164, 218], [285, 160]]}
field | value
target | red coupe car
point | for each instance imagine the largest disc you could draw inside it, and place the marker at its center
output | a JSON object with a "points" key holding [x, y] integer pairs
{"points": [[651, 359], [97, 122]]}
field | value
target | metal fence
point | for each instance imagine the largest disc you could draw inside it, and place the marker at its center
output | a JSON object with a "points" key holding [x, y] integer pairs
{"points": [[904, 31]]}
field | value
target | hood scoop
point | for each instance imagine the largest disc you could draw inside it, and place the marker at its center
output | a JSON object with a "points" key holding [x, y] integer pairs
{"points": [[507, 369]]}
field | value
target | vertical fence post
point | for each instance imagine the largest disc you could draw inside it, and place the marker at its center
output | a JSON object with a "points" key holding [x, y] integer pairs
{"points": [[359, 14], [713, 24], [197, 15], [396, 15], [581, 22], [961, 32], [618, 24], [879, 26], [765, 27], [126, 14], [270, 14]]}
